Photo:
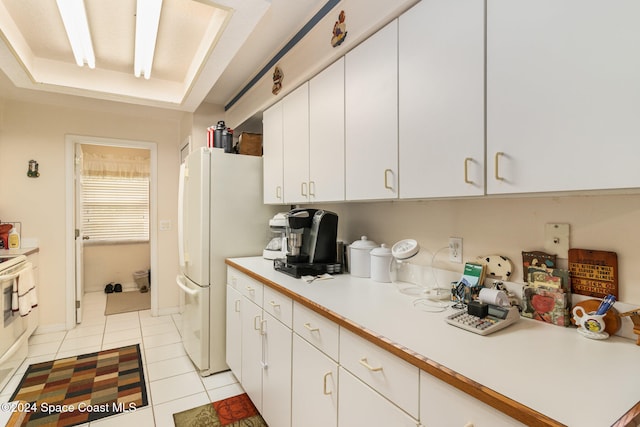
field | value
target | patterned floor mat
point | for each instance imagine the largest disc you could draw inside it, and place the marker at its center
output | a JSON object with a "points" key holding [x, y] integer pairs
{"points": [[79, 389]]}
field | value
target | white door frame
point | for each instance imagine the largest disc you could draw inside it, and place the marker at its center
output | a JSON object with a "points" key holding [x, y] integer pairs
{"points": [[70, 141]]}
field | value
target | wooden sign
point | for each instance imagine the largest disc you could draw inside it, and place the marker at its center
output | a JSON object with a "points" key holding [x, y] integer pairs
{"points": [[593, 273]]}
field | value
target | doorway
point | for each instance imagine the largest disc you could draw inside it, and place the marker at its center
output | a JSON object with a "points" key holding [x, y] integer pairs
{"points": [[75, 242]]}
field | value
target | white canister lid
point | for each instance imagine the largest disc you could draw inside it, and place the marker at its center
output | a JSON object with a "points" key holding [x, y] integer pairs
{"points": [[364, 243], [382, 250], [405, 249]]}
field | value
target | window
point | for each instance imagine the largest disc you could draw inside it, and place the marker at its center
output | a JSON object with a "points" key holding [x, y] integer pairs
{"points": [[115, 209]]}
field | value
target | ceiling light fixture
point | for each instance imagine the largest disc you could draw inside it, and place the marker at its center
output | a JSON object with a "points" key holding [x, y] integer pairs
{"points": [[147, 21], [74, 18]]}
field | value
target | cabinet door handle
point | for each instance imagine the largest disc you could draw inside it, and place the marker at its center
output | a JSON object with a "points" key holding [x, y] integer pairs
{"points": [[237, 306], [278, 192], [364, 363], [324, 383], [303, 189], [497, 165], [386, 179], [310, 329], [466, 170], [264, 362], [312, 189], [273, 304], [257, 326]]}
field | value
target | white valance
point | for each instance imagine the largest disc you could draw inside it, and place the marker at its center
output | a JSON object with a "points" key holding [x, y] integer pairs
{"points": [[115, 165]]}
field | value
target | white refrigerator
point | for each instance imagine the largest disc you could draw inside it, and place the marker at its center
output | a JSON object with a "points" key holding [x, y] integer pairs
{"points": [[220, 215]]}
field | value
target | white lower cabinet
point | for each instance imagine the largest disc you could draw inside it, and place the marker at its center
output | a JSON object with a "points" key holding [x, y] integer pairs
{"points": [[252, 351], [234, 331], [314, 387], [276, 372], [301, 369], [259, 345], [360, 405], [443, 405]]}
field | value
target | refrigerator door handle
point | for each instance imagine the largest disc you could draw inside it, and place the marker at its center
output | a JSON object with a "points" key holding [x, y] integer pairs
{"points": [[183, 286], [181, 215]]}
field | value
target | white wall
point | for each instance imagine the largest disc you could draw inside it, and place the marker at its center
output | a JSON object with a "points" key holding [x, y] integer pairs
{"points": [[30, 130], [114, 263], [504, 226]]}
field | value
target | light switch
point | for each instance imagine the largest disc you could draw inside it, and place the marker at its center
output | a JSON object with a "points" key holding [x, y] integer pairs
{"points": [[556, 239], [165, 224]]}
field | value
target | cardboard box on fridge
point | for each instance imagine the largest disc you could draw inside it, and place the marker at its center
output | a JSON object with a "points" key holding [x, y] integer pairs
{"points": [[250, 144]]}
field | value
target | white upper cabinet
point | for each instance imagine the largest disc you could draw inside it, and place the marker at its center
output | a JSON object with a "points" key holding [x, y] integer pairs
{"points": [[441, 99], [562, 95], [272, 157], [371, 111], [295, 118], [326, 134]]}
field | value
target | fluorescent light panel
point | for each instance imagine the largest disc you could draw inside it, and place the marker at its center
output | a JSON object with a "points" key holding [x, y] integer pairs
{"points": [[147, 21], [74, 17]]}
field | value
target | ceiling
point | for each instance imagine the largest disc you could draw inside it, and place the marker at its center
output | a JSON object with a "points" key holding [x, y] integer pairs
{"points": [[193, 63]]}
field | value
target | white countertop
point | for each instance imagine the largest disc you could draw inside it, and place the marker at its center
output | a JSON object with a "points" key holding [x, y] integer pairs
{"points": [[553, 370], [5, 253]]}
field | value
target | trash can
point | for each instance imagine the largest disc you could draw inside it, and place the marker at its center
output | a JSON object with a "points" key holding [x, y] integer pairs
{"points": [[141, 278]]}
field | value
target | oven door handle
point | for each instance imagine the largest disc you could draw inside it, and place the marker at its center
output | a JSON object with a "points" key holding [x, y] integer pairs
{"points": [[15, 274], [11, 276], [182, 285]]}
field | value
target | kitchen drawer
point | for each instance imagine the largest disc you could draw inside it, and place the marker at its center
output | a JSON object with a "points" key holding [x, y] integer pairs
{"points": [[233, 278], [394, 378], [279, 306], [359, 405], [250, 288], [316, 329], [442, 404]]}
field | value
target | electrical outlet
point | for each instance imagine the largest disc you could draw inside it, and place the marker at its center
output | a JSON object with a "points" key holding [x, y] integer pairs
{"points": [[455, 249]]}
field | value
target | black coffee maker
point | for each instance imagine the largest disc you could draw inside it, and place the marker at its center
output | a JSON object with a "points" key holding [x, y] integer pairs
{"points": [[311, 243]]}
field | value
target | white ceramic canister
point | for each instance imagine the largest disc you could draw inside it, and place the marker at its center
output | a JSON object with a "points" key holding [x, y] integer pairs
{"points": [[380, 263], [359, 257]]}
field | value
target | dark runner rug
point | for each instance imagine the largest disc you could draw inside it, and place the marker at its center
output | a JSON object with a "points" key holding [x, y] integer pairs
{"points": [[75, 390], [236, 411]]}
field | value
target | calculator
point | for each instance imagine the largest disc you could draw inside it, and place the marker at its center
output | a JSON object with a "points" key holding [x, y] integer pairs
{"points": [[497, 318]]}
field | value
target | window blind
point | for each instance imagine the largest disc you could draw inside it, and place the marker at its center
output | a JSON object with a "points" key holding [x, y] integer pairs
{"points": [[115, 209]]}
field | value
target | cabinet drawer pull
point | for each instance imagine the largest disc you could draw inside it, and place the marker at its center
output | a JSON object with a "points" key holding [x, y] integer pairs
{"points": [[237, 306], [364, 363], [497, 166], [324, 384], [251, 289], [466, 170], [303, 189], [309, 328], [386, 179], [273, 304]]}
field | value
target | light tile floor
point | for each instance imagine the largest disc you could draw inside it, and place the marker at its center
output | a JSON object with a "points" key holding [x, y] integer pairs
{"points": [[173, 385]]}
